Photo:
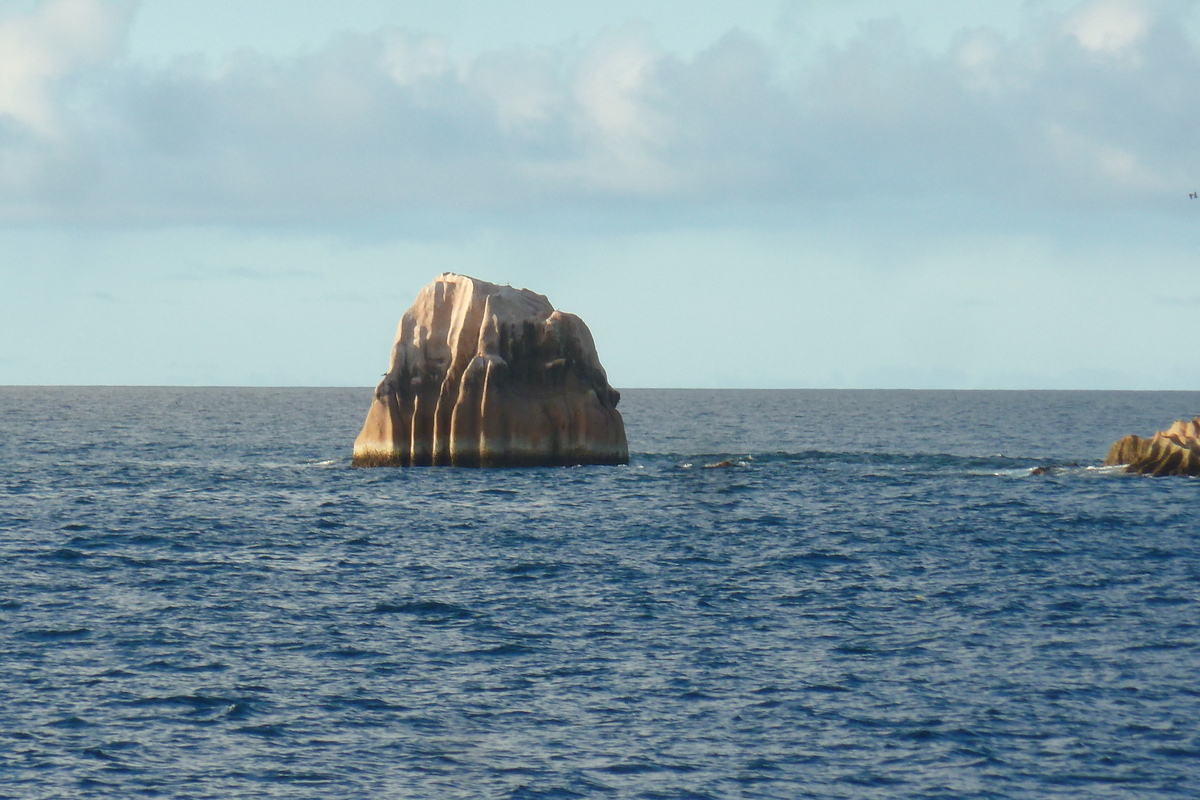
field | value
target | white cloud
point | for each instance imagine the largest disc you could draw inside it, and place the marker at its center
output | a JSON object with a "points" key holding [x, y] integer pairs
{"points": [[1110, 27], [393, 124], [522, 86], [1106, 165], [39, 49], [616, 90], [612, 87], [978, 55], [408, 60]]}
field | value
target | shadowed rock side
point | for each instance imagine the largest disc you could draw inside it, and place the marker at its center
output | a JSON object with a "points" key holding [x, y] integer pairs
{"points": [[1175, 451], [490, 376]]}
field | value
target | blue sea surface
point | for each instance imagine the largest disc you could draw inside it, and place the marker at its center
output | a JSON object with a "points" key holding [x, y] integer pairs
{"points": [[200, 598]]}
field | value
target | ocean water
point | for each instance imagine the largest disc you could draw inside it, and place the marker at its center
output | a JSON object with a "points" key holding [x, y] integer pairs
{"points": [[200, 598]]}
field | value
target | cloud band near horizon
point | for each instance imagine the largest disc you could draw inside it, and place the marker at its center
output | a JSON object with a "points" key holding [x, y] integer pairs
{"points": [[1095, 107]]}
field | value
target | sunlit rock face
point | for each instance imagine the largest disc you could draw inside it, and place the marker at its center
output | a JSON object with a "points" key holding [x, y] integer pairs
{"points": [[489, 376], [1175, 451]]}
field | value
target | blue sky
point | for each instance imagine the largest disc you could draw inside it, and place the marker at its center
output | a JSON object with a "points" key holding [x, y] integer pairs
{"points": [[803, 194]]}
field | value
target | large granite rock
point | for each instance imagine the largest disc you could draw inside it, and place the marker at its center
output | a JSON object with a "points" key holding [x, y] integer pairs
{"points": [[1175, 451], [488, 376]]}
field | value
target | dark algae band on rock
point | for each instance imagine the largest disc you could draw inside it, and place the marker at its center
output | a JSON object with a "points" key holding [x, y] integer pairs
{"points": [[491, 376], [1175, 451]]}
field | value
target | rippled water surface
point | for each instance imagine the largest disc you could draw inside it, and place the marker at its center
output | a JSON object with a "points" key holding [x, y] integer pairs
{"points": [[200, 598]]}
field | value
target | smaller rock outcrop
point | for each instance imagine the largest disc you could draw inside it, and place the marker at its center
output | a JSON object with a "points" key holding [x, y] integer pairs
{"points": [[1175, 451]]}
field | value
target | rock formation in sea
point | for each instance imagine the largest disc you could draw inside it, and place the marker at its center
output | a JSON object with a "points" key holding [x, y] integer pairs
{"points": [[487, 376], [1175, 451]]}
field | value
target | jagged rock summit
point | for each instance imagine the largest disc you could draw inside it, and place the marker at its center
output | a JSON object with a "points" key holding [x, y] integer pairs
{"points": [[1175, 451], [489, 376]]}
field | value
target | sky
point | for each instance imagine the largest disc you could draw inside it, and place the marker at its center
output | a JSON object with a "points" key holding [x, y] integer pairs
{"points": [[792, 194]]}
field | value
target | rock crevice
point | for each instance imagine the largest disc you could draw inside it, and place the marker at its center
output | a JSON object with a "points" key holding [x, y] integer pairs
{"points": [[485, 375]]}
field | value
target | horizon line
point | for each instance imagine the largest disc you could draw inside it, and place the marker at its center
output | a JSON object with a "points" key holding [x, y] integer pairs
{"points": [[618, 388]]}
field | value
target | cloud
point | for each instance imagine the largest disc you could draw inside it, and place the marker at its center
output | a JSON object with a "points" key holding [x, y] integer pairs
{"points": [[410, 62], [1110, 27], [39, 49], [1091, 108], [618, 96], [1112, 166]]}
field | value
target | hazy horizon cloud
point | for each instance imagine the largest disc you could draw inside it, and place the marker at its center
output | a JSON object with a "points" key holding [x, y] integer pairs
{"points": [[1089, 108]]}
